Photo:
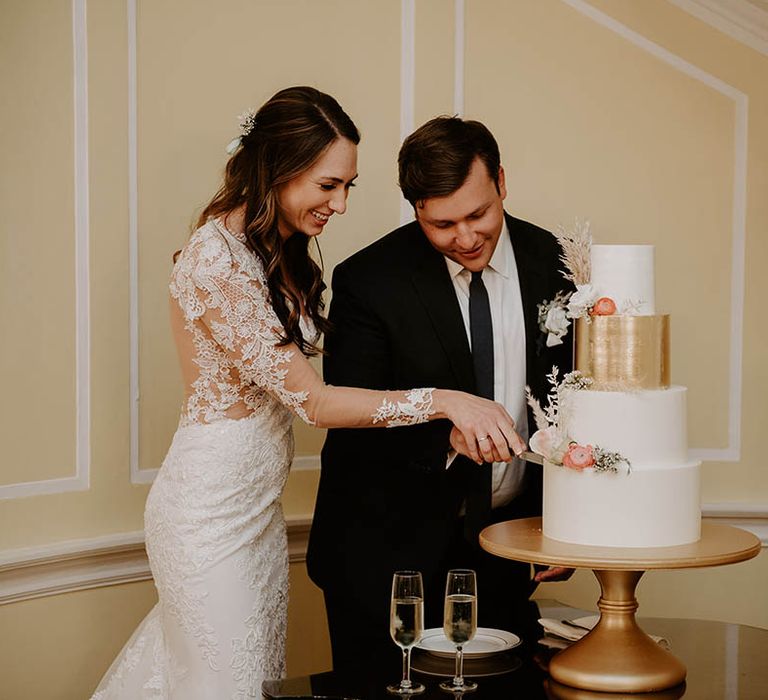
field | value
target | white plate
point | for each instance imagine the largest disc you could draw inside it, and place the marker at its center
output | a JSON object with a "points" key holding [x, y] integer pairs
{"points": [[589, 621], [486, 642]]}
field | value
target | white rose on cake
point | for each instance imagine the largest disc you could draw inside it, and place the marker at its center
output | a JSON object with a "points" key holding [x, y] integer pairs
{"points": [[581, 300]]}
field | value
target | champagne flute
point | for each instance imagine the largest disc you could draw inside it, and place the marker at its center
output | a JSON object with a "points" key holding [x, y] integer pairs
{"points": [[406, 624], [460, 622]]}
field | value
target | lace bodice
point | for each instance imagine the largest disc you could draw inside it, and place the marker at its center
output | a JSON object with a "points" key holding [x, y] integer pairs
{"points": [[228, 336]]}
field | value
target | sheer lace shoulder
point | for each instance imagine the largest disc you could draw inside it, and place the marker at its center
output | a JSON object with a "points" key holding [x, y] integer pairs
{"points": [[221, 290]]}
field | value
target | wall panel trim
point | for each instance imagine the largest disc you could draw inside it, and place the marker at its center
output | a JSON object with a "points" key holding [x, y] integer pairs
{"points": [[140, 475], [79, 565], [137, 475], [729, 453], [739, 19], [407, 84], [81, 480], [306, 463], [459, 34], [732, 452]]}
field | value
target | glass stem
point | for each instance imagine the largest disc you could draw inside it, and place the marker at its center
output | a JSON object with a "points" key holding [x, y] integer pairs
{"points": [[406, 683], [459, 679]]}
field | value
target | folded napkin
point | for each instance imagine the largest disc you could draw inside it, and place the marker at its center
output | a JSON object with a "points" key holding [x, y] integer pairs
{"points": [[558, 634]]}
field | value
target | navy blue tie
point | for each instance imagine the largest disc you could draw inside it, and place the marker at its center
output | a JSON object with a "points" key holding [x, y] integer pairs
{"points": [[478, 500]]}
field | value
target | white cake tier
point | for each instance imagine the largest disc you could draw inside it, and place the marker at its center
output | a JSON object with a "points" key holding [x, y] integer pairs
{"points": [[646, 427], [625, 273], [646, 508]]}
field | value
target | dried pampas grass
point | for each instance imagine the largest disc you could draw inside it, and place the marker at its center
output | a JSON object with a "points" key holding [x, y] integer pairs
{"points": [[576, 245]]}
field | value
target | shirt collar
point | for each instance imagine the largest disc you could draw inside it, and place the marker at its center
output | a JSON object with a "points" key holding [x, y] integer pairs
{"points": [[501, 261]]}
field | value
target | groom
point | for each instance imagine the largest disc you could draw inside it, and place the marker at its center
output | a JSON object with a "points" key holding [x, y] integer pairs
{"points": [[449, 301]]}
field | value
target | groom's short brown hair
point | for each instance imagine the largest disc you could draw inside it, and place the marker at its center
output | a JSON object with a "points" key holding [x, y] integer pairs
{"points": [[435, 160]]}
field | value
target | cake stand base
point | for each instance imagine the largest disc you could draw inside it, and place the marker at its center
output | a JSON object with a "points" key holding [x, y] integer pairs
{"points": [[617, 656]]}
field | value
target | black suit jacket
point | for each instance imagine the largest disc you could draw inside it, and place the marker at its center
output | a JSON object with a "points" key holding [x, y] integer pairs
{"points": [[385, 500]]}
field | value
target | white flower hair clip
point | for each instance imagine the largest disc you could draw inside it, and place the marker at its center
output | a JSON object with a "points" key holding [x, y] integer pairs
{"points": [[247, 124]]}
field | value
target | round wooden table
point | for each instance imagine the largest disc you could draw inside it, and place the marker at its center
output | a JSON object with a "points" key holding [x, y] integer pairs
{"points": [[617, 656]]}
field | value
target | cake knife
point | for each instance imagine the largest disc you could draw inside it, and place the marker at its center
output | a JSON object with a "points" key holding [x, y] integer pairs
{"points": [[529, 456]]}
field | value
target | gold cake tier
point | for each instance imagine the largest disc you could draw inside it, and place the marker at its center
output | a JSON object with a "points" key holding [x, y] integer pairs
{"points": [[622, 353]]}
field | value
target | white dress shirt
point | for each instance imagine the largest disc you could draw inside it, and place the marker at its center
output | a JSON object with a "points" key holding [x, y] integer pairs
{"points": [[503, 285]]}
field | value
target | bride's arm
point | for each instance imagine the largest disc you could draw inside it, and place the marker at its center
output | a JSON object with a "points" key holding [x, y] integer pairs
{"points": [[234, 306]]}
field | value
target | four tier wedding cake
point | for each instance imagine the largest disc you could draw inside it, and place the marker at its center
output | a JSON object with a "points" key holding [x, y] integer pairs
{"points": [[613, 432]]}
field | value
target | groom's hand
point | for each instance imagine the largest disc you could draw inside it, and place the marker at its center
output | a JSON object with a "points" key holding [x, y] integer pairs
{"points": [[459, 443], [554, 573]]}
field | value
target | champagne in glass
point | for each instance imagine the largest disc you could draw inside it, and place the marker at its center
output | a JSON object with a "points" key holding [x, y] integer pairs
{"points": [[460, 622], [406, 624]]}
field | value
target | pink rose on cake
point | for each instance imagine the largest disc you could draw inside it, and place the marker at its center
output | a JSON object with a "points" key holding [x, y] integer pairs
{"points": [[604, 306], [550, 443], [579, 456]]}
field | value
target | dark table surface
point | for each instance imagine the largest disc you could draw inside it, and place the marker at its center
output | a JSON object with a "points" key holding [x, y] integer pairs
{"points": [[724, 662]]}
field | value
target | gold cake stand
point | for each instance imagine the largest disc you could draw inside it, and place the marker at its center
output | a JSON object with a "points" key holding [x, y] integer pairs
{"points": [[617, 656]]}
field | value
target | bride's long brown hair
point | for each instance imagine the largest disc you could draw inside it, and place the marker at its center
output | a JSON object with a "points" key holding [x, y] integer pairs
{"points": [[292, 130]]}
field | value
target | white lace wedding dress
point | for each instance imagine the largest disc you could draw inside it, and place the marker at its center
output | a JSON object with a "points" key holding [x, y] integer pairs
{"points": [[215, 532]]}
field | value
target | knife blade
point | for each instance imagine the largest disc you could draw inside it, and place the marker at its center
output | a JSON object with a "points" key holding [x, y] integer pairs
{"points": [[534, 457]]}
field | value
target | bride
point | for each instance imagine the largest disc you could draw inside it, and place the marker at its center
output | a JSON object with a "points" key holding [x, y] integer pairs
{"points": [[246, 311]]}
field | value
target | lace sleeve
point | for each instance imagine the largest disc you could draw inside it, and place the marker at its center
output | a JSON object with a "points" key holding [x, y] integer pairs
{"points": [[228, 293]]}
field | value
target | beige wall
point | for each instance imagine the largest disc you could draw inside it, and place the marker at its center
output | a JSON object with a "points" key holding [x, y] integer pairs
{"points": [[641, 118]]}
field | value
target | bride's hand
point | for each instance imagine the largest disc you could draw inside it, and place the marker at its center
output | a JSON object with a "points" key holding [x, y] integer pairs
{"points": [[487, 430]]}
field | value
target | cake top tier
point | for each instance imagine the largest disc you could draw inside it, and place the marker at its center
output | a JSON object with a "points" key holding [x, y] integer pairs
{"points": [[625, 273]]}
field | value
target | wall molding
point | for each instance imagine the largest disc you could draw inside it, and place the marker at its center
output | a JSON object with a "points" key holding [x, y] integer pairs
{"points": [[82, 233], [137, 475], [306, 463], [79, 565], [407, 84], [739, 19], [748, 516], [732, 452], [81, 480], [459, 40]]}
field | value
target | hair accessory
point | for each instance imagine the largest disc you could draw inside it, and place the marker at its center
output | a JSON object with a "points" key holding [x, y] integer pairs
{"points": [[247, 124]]}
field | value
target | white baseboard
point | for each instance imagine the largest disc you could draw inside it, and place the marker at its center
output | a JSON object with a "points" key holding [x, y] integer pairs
{"points": [[78, 565]]}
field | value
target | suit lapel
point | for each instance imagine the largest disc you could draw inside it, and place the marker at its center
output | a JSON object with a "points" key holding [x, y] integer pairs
{"points": [[435, 290], [532, 276]]}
